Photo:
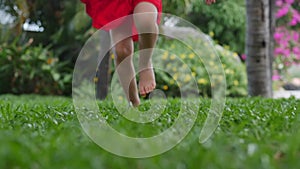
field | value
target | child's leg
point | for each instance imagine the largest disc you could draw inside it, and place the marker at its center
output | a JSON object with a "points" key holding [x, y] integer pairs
{"points": [[146, 22], [124, 53]]}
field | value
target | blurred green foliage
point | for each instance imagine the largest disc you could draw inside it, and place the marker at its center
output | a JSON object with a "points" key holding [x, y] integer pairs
{"points": [[64, 24], [200, 65], [32, 69], [41, 62], [66, 27], [226, 19]]}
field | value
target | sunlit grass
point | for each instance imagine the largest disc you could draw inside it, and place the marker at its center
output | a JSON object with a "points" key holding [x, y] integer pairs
{"points": [[43, 132]]}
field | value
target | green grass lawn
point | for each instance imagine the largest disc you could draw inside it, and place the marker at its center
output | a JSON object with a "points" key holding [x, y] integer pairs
{"points": [[42, 132]]}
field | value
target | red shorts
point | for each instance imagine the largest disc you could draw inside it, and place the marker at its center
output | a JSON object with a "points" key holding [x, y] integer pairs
{"points": [[103, 12]]}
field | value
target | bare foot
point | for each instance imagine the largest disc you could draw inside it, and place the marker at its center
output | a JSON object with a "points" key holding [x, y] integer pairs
{"points": [[135, 103], [147, 81]]}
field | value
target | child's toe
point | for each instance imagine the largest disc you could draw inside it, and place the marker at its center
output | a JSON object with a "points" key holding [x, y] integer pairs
{"points": [[147, 89]]}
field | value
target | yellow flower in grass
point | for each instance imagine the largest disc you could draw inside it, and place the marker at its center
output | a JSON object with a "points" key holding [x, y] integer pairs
{"points": [[227, 53], [193, 74], [227, 47], [194, 68], [182, 56], [211, 34], [113, 56], [236, 83], [50, 61], [202, 81], [174, 69], [235, 55], [220, 78], [171, 81], [165, 87], [229, 71], [172, 57], [165, 55], [120, 98], [187, 78], [192, 55], [175, 76]]}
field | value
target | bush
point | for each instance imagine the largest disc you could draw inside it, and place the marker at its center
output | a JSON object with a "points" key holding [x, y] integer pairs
{"points": [[234, 70], [225, 19], [177, 58], [32, 69]]}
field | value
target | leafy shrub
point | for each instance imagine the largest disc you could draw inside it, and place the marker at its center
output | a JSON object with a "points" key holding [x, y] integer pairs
{"points": [[225, 19], [177, 58], [234, 70], [32, 69]]}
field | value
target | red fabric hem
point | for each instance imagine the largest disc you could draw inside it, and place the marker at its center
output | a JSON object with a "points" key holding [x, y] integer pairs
{"points": [[103, 12]]}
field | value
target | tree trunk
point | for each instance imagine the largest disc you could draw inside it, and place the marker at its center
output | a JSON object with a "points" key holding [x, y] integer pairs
{"points": [[103, 73], [272, 31], [258, 48]]}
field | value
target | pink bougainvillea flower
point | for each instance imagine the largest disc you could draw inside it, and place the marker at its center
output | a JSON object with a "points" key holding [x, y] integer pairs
{"points": [[296, 50], [243, 56], [295, 18], [293, 22], [286, 37], [289, 1], [296, 36], [276, 77], [296, 15], [282, 52], [286, 53], [278, 51], [284, 43], [278, 36], [279, 3], [282, 11]]}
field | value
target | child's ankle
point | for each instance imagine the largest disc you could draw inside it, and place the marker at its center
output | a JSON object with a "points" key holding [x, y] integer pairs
{"points": [[145, 65], [135, 102]]}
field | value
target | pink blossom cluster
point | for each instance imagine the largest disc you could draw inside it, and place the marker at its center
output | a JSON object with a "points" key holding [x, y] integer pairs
{"points": [[284, 8], [287, 36], [287, 42]]}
